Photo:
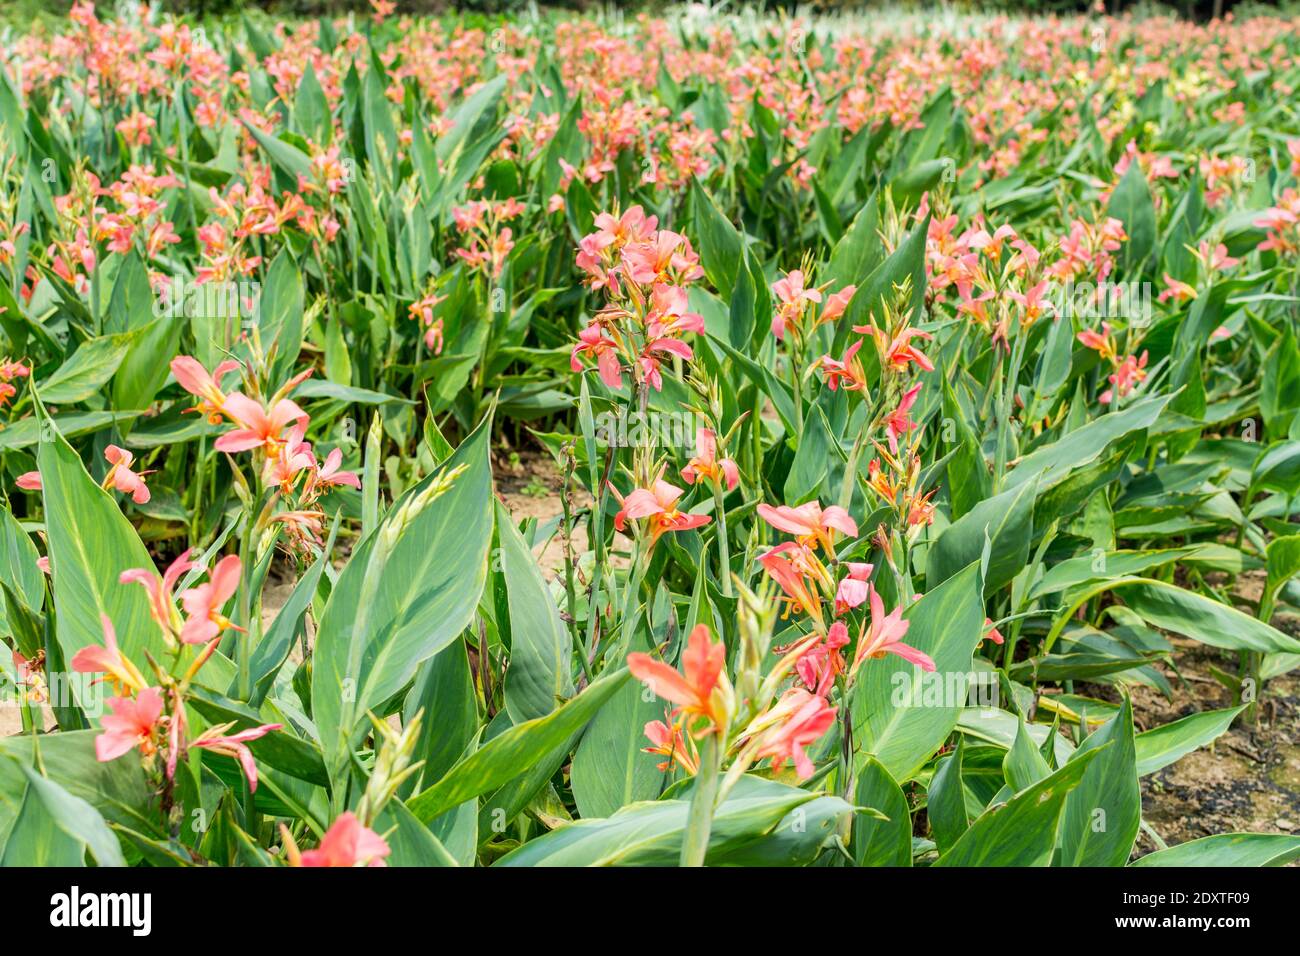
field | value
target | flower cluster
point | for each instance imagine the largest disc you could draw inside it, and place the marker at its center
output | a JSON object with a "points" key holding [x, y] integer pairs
{"points": [[152, 718], [645, 273], [275, 431]]}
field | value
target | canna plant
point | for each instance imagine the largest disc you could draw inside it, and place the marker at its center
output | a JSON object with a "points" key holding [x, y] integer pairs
{"points": [[918, 399]]}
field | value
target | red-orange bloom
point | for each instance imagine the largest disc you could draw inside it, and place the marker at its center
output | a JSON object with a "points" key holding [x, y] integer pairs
{"points": [[701, 690]]}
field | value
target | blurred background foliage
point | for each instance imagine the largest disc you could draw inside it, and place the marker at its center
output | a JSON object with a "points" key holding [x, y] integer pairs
{"points": [[22, 14]]}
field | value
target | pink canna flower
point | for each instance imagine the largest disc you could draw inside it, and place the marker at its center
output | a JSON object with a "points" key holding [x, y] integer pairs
{"points": [[121, 477], [837, 302], [131, 724], [161, 608], [705, 464], [667, 740], [898, 422], [203, 604], [898, 353], [701, 690], [820, 664], [593, 341], [258, 427], [29, 481], [1032, 302], [330, 473], [348, 843], [670, 313], [847, 372], [1101, 341], [991, 633], [884, 634], [1217, 259], [798, 719], [1176, 290], [792, 299], [194, 378], [658, 504], [235, 745], [124, 677], [1127, 375], [810, 523], [852, 590], [795, 568]]}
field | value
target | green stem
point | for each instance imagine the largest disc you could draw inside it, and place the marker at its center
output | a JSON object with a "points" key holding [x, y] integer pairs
{"points": [[699, 822], [724, 553]]}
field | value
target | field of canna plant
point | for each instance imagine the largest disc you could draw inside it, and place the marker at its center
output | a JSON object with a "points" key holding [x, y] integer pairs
{"points": [[919, 392]]}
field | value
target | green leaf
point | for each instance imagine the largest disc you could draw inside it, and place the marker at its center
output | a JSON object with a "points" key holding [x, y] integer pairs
{"points": [[118, 789], [411, 842], [610, 768], [1228, 849], [1159, 747], [1103, 565], [879, 842], [408, 591], [54, 828], [901, 715], [87, 371], [722, 250], [289, 158], [512, 752], [90, 544], [1131, 204], [18, 568], [1052, 463], [541, 647], [1024, 765], [945, 804], [1022, 831], [1202, 619], [650, 833], [444, 690], [1006, 521], [280, 316], [1103, 812]]}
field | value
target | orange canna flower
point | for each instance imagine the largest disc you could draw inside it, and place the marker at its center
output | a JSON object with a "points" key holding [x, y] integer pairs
{"points": [[659, 505], [701, 690]]}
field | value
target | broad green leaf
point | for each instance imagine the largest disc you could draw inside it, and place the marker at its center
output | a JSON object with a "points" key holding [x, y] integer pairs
{"points": [[1006, 521], [1051, 463], [541, 647], [945, 804], [1202, 619], [1103, 812], [879, 842], [1228, 849], [1100, 565], [610, 768], [90, 544], [650, 833], [408, 591], [1024, 765], [1159, 747], [1022, 831], [512, 752], [53, 825], [87, 371], [902, 715], [118, 789]]}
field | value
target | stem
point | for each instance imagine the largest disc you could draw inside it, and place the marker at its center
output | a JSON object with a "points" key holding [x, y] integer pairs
{"points": [[1004, 410], [851, 472], [699, 823], [724, 555]]}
